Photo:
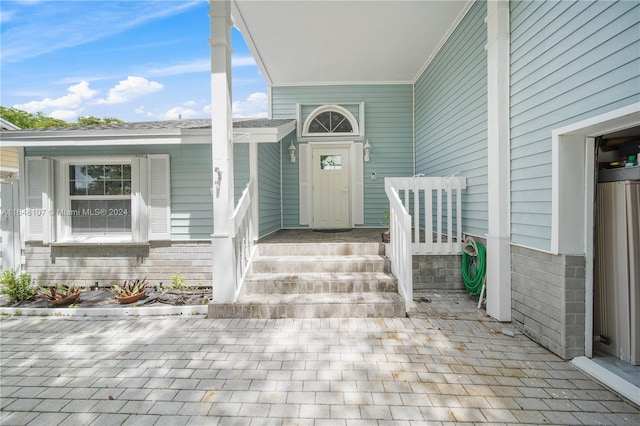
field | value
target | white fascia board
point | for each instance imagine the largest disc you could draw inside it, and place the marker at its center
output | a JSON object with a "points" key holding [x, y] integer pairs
{"points": [[263, 134], [344, 83], [165, 137], [8, 125], [88, 142]]}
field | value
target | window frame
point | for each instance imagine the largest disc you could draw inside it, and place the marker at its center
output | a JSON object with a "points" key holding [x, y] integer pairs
{"points": [[63, 200], [357, 123]]}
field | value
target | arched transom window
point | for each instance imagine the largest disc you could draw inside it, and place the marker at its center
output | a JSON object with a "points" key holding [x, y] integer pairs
{"points": [[330, 120]]}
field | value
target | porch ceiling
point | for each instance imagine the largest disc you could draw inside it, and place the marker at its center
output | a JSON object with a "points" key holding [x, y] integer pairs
{"points": [[339, 42]]}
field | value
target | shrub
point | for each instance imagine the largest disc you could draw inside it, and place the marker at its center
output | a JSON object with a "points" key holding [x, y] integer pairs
{"points": [[17, 286], [177, 281]]}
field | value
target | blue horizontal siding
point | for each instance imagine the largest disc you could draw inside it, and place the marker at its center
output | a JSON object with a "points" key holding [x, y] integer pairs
{"points": [[388, 127], [451, 116], [569, 61], [269, 165]]}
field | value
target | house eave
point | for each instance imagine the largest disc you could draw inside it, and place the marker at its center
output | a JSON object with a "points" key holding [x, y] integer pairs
{"points": [[64, 138]]}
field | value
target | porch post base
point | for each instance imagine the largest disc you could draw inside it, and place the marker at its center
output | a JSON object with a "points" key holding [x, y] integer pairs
{"points": [[498, 285], [223, 280]]}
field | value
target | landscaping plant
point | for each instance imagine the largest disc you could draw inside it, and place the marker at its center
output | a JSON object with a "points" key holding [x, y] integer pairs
{"points": [[58, 292], [17, 286], [130, 288]]}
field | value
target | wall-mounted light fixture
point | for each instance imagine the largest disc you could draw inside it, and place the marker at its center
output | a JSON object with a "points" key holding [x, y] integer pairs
{"points": [[367, 150], [292, 153]]}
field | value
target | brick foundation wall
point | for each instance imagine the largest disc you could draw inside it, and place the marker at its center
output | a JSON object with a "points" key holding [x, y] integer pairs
{"points": [[548, 299], [84, 265], [437, 272]]}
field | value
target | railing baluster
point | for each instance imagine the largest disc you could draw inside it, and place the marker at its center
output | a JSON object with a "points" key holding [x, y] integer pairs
{"points": [[458, 217], [416, 215], [449, 220]]}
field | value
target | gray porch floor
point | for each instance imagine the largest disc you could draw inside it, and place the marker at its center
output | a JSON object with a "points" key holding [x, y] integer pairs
{"points": [[356, 235]]}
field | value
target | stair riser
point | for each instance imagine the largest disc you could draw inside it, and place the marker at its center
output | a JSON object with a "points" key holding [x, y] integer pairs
{"points": [[275, 266], [290, 287], [320, 310], [330, 249]]}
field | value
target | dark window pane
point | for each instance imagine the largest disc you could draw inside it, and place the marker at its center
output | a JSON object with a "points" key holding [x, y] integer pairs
{"points": [[96, 188], [113, 172], [113, 187]]}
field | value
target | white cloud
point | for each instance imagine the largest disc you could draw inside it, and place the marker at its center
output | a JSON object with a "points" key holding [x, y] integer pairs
{"points": [[129, 89], [254, 106], [177, 113], [65, 115], [198, 65], [242, 61], [74, 100]]}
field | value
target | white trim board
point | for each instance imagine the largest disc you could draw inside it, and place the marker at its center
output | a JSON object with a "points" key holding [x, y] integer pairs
{"points": [[607, 378], [569, 142]]}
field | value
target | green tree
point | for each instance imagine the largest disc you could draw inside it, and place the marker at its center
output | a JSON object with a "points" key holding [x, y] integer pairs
{"points": [[26, 120], [90, 120]]}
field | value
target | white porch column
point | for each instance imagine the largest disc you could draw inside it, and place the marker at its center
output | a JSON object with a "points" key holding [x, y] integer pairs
{"points": [[498, 238], [224, 271]]}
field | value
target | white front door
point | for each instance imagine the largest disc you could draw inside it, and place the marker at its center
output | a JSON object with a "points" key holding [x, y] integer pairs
{"points": [[331, 188]]}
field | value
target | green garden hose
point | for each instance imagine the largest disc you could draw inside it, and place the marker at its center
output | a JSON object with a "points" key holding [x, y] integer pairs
{"points": [[473, 266]]}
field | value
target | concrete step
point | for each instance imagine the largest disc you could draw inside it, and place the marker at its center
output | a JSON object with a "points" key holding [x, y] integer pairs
{"points": [[317, 305], [285, 283], [324, 249], [317, 264]]}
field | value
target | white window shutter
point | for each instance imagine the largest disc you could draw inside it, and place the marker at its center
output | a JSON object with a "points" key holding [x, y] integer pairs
{"points": [[159, 197], [139, 190], [357, 194], [305, 184], [39, 204]]}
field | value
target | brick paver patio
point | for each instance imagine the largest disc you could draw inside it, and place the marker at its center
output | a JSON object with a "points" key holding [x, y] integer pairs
{"points": [[446, 364]]}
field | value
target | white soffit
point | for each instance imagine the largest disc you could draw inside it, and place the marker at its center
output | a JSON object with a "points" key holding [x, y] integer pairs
{"points": [[340, 42]]}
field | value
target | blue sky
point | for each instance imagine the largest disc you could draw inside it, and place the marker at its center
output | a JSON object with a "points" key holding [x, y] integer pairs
{"points": [[134, 60]]}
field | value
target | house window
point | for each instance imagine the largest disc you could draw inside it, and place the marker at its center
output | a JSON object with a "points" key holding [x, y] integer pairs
{"points": [[331, 162], [100, 199], [331, 121]]}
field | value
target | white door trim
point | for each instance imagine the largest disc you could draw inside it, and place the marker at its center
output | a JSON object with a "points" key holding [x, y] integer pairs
{"points": [[570, 142]]}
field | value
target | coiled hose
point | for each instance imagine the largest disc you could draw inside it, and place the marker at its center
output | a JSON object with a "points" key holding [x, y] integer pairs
{"points": [[474, 266]]}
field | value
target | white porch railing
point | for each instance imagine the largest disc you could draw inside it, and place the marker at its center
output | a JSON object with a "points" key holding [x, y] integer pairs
{"points": [[426, 218], [244, 235]]}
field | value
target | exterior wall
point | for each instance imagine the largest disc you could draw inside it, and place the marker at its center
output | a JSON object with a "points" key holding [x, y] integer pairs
{"points": [[8, 159], [548, 299], [269, 178], [437, 272], [388, 127], [110, 264], [451, 116], [191, 180], [569, 61]]}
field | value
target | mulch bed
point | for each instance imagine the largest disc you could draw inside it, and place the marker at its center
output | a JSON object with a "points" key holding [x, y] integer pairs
{"points": [[105, 299]]}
